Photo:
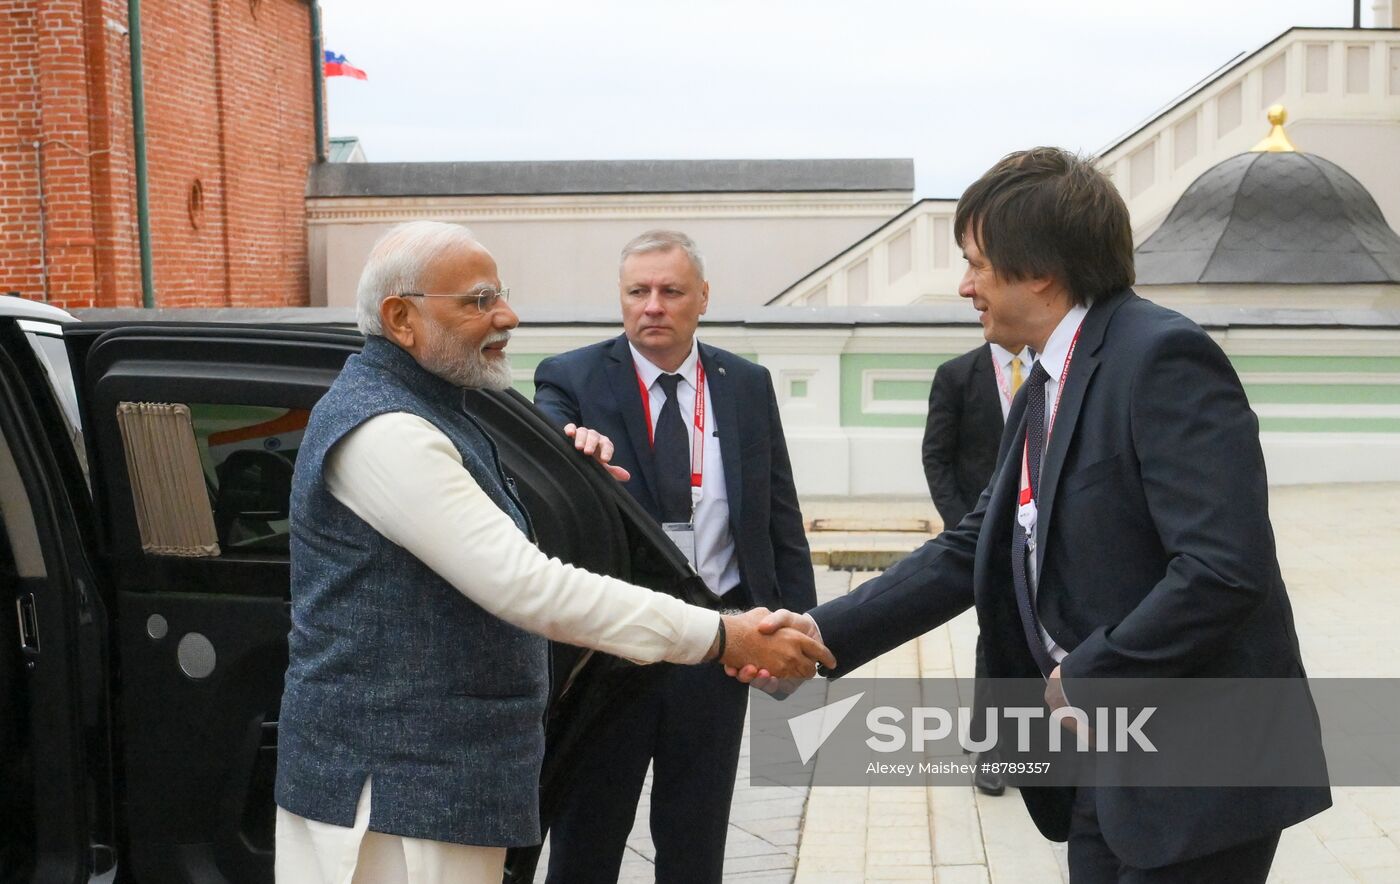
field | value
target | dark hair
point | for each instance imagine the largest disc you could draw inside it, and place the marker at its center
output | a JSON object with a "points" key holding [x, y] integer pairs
{"points": [[1046, 212]]}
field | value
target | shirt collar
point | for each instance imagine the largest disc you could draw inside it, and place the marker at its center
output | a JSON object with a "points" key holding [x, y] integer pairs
{"points": [[1004, 356], [1057, 347], [649, 372]]}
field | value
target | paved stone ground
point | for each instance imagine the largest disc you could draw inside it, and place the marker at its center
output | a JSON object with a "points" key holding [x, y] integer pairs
{"points": [[1337, 546]]}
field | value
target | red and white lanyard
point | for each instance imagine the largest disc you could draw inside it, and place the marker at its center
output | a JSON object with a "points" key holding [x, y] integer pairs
{"points": [[697, 439], [1027, 496], [1003, 383]]}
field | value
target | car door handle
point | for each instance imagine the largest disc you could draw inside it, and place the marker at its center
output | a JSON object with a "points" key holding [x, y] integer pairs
{"points": [[28, 625]]}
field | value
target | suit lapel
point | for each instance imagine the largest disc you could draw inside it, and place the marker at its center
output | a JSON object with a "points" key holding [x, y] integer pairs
{"points": [[727, 421], [622, 377], [1084, 361]]}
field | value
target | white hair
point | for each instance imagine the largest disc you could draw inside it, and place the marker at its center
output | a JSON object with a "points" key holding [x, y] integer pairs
{"points": [[662, 241], [398, 262]]}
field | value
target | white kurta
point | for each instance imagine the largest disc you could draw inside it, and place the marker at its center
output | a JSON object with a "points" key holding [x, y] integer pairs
{"points": [[404, 478]]}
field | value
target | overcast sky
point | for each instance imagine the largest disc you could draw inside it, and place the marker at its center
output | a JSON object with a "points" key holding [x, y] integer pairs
{"points": [[954, 86]]}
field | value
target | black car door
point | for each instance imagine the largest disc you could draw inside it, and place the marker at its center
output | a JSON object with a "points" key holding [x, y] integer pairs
{"points": [[192, 434], [56, 820]]}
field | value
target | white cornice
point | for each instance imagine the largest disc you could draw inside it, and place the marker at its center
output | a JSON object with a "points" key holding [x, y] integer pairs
{"points": [[383, 210], [1309, 342], [914, 340]]}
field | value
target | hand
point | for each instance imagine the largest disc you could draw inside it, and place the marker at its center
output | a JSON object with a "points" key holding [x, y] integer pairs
{"points": [[765, 678], [1055, 698], [597, 446], [777, 652], [1055, 691]]}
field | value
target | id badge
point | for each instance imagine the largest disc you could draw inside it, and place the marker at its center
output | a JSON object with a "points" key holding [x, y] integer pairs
{"points": [[682, 534], [1027, 516]]}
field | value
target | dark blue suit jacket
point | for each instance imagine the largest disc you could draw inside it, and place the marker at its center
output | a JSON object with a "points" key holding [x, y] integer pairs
{"points": [[596, 387], [1156, 560]]}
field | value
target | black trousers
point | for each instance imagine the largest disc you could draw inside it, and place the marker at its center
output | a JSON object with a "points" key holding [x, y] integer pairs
{"points": [[1091, 861], [687, 725], [981, 698]]}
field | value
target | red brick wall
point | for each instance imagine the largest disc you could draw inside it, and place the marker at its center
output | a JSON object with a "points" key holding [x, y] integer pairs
{"points": [[19, 128], [228, 112]]}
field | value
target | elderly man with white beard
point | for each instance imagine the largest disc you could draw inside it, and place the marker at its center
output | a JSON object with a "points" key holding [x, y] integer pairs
{"points": [[411, 734]]}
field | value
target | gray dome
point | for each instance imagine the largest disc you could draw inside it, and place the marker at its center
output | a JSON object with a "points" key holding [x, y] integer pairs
{"points": [[1272, 218]]}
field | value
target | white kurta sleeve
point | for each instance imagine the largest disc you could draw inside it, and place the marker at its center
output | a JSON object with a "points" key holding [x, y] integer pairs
{"points": [[404, 477]]}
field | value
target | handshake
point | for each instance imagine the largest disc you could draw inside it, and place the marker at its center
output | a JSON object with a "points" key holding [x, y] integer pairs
{"points": [[763, 647]]}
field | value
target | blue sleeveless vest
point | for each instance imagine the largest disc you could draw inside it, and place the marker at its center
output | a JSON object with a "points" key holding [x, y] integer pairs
{"points": [[393, 673]]}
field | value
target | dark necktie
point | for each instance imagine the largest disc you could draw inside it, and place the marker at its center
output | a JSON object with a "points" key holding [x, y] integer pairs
{"points": [[1035, 446], [671, 449]]}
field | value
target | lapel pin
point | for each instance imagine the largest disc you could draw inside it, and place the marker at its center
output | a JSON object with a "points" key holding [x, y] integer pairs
{"points": [[721, 370]]}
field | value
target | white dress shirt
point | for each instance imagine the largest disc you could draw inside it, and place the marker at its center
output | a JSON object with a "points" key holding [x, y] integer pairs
{"points": [[1052, 358], [715, 557], [1003, 359]]}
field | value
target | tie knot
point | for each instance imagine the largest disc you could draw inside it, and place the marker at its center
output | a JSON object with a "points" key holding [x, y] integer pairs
{"points": [[668, 383], [1038, 375]]}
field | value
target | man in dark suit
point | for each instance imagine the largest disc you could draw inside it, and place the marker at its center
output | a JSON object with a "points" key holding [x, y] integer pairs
{"points": [[967, 407], [697, 429], [1125, 533]]}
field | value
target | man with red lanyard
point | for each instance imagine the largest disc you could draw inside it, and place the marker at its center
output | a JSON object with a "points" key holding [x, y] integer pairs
{"points": [[698, 430], [1125, 533]]}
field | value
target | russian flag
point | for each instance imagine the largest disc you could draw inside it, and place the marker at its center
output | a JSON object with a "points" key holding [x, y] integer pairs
{"points": [[337, 66]]}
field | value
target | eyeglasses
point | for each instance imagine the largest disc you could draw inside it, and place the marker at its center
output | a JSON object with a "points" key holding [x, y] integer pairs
{"points": [[485, 299]]}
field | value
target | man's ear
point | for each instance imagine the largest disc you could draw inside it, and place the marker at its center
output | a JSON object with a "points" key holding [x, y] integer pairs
{"points": [[704, 297], [394, 319], [1044, 286]]}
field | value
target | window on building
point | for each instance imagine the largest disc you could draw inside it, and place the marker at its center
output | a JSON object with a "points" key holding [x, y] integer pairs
{"points": [[1142, 168], [1275, 80], [858, 283], [1318, 58], [1184, 141], [1358, 70], [900, 254], [1228, 109], [942, 241]]}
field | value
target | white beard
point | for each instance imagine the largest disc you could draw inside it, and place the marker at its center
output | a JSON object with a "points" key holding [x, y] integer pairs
{"points": [[464, 367]]}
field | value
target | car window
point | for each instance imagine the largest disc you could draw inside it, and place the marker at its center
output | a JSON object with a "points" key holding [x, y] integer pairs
{"points": [[47, 340], [210, 479], [19, 540], [248, 452]]}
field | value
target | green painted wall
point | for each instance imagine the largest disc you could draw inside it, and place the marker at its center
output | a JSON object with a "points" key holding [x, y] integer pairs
{"points": [[1316, 363], [1323, 394], [1329, 425], [853, 365], [522, 361]]}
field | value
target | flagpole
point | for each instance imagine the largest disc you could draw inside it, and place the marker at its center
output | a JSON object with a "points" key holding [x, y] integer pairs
{"points": [[318, 81], [138, 139]]}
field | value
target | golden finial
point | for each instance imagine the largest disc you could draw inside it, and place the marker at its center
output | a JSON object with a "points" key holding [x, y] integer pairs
{"points": [[1275, 141]]}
